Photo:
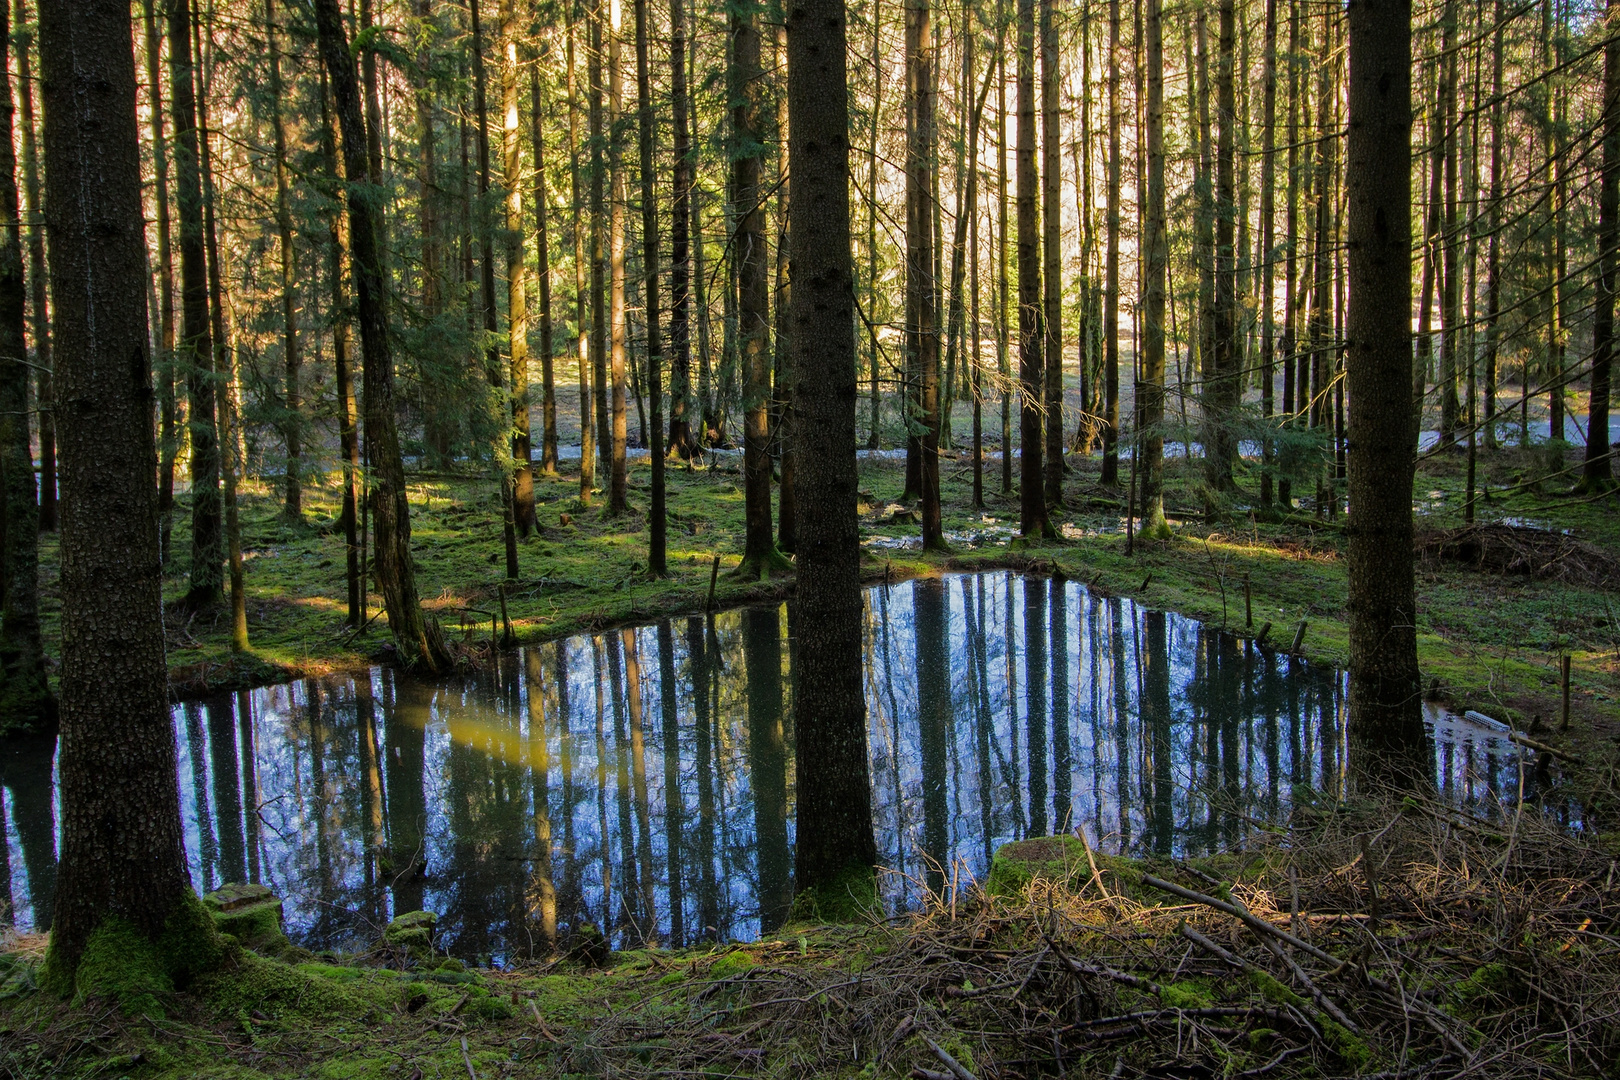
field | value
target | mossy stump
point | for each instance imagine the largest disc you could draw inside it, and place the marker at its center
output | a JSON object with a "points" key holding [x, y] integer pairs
{"points": [[249, 913], [412, 932], [1060, 860]]}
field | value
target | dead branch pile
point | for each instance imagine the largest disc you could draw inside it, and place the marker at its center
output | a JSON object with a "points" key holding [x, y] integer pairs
{"points": [[1515, 549], [1420, 942]]}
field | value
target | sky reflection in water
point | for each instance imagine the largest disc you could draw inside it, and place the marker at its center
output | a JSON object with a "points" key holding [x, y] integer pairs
{"points": [[658, 760]]}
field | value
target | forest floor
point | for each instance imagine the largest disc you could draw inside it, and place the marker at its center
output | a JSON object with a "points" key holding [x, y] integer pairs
{"points": [[1371, 939], [1498, 607]]}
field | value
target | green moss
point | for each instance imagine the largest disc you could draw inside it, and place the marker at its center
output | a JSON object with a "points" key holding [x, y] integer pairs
{"points": [[1352, 1048], [126, 966], [1273, 990], [413, 932], [287, 995], [851, 897], [1485, 981], [1058, 859], [1187, 994], [733, 963], [249, 913]]}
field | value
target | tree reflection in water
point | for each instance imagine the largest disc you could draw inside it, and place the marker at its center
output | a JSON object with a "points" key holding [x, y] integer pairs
{"points": [[641, 779]]}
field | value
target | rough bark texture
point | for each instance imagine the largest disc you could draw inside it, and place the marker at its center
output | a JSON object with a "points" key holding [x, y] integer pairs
{"points": [[618, 328], [292, 420], [40, 319], [122, 857], [417, 639], [680, 295], [1386, 721], [26, 704], [834, 833], [656, 540], [517, 299], [1110, 432], [1032, 519], [542, 251], [1223, 383]]}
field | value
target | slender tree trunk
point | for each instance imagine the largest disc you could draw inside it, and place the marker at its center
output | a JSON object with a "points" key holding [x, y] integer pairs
{"points": [[1110, 463], [197, 346], [486, 250], [1493, 270], [1266, 255], [44, 394], [649, 267], [835, 849], [542, 249], [1598, 472], [680, 252], [1223, 382], [618, 315], [436, 394], [874, 352], [748, 257], [1149, 439], [292, 420], [1386, 720], [1450, 292], [584, 309], [922, 290], [782, 380], [117, 777], [26, 704], [417, 638], [1052, 251], [595, 53], [343, 369], [1031, 329], [1003, 334], [517, 299]]}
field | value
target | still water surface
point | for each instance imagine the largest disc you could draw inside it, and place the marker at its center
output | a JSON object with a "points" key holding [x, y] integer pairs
{"points": [[649, 771]]}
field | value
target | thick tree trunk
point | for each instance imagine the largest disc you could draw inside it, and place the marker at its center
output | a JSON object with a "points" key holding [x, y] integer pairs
{"points": [[1386, 718], [123, 863], [835, 850], [292, 420], [417, 638], [26, 704], [1052, 252], [44, 395], [196, 345], [1031, 321], [647, 122], [343, 371], [1149, 438]]}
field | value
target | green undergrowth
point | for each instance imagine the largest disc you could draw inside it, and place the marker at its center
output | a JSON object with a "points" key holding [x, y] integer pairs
{"points": [[1486, 641]]}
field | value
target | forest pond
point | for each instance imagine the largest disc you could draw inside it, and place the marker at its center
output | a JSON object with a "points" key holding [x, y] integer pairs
{"points": [[659, 759]]}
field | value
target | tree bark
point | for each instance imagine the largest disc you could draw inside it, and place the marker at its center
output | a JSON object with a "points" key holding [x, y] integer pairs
{"points": [[584, 309], [417, 638], [681, 441], [1031, 321], [44, 395], [1052, 250], [542, 250], [26, 704], [343, 375], [1386, 719], [656, 526], [1149, 437], [1597, 471], [748, 256], [1265, 255], [834, 839], [122, 856], [1110, 433], [196, 345], [618, 314], [922, 291], [1223, 385], [292, 420], [517, 300]]}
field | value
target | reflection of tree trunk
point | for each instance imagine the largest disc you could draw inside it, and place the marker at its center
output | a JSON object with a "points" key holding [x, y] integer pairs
{"points": [[1062, 765], [708, 899], [370, 779], [250, 783], [1156, 720], [27, 773], [632, 919], [407, 804], [767, 761], [674, 803], [8, 909], [196, 741], [569, 900], [978, 660], [227, 789], [1122, 718], [321, 806], [638, 772], [932, 623], [603, 837], [541, 897], [1035, 699], [1009, 635]]}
